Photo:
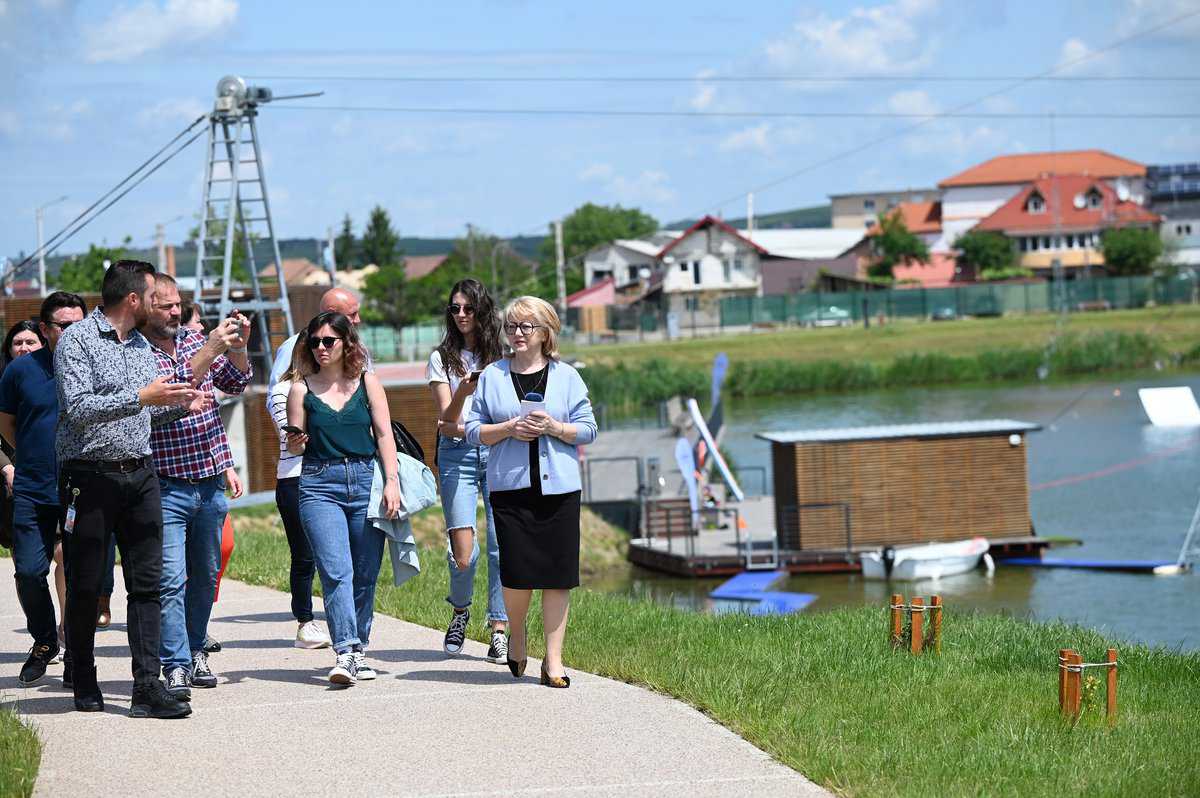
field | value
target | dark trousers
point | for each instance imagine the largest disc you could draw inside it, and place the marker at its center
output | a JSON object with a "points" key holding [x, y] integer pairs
{"points": [[35, 531], [129, 507], [287, 498]]}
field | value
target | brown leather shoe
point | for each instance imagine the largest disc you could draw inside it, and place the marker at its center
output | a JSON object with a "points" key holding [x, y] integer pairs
{"points": [[103, 615]]}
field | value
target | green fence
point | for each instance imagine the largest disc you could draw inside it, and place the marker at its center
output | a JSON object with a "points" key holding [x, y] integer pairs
{"points": [[976, 299]]}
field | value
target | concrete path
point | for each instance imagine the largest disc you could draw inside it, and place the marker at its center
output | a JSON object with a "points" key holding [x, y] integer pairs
{"points": [[427, 726]]}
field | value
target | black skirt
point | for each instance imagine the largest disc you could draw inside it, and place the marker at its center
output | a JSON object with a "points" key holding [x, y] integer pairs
{"points": [[538, 537]]}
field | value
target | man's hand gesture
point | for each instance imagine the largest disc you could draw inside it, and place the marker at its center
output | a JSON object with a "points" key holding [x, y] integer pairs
{"points": [[163, 393]]}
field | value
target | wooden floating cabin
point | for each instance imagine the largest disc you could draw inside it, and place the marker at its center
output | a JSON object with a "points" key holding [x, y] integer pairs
{"points": [[839, 492]]}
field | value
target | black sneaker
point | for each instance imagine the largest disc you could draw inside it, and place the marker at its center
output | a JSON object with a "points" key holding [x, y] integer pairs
{"points": [[211, 646], [202, 675], [498, 650], [151, 700], [177, 683], [35, 667], [456, 633]]}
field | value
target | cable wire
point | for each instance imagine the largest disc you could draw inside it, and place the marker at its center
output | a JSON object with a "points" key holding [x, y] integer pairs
{"points": [[738, 114], [732, 78], [46, 248], [63, 235]]}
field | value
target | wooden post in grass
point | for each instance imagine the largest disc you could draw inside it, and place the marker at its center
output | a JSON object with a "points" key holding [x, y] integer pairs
{"points": [[1062, 679], [897, 607], [917, 624], [1074, 684], [936, 622], [1111, 692]]}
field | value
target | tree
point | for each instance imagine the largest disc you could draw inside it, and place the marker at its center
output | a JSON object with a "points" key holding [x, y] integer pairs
{"points": [[586, 227], [1130, 250], [83, 274], [380, 244], [345, 247], [894, 244], [215, 245], [988, 255]]}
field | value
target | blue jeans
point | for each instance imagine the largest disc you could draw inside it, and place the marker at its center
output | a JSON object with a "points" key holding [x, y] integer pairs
{"points": [[193, 515], [347, 549], [35, 529], [462, 477]]}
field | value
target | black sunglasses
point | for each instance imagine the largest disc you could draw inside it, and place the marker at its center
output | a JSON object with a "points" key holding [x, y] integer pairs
{"points": [[62, 325], [453, 310], [328, 341]]}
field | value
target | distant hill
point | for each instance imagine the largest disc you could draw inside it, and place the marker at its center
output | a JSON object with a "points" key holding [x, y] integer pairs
{"points": [[816, 216]]}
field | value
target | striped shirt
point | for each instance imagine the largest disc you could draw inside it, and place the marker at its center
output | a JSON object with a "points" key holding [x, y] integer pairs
{"points": [[195, 446], [290, 464]]}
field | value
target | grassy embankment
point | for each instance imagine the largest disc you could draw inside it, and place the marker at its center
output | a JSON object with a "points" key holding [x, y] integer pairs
{"points": [[901, 354], [20, 755], [824, 694]]}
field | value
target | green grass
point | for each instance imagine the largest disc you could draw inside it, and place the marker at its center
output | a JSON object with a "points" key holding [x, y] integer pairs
{"points": [[824, 694], [904, 353], [20, 755]]}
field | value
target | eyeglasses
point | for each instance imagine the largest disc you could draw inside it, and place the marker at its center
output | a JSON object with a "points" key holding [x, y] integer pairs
{"points": [[328, 341], [455, 309], [62, 325], [525, 327]]}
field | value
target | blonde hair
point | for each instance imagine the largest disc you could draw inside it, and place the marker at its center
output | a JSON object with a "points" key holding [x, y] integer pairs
{"points": [[541, 312]]}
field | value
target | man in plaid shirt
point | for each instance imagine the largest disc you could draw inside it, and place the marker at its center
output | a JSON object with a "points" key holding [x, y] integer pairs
{"points": [[191, 457]]}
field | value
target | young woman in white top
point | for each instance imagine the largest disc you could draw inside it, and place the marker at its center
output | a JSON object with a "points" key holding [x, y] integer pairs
{"points": [[471, 341]]}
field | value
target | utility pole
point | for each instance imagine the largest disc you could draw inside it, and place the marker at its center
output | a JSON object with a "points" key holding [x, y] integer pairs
{"points": [[160, 244], [559, 266], [38, 216], [332, 264], [750, 215]]}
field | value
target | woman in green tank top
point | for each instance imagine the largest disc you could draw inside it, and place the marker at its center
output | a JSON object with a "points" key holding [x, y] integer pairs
{"points": [[343, 414]]}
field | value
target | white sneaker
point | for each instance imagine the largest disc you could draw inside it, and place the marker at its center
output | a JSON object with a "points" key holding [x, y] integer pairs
{"points": [[365, 672], [310, 635], [345, 670]]}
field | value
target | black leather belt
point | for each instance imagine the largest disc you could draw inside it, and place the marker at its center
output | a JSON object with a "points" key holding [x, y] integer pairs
{"points": [[109, 466]]}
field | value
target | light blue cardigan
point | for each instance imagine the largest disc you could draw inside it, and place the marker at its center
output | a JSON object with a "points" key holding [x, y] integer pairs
{"points": [[496, 401]]}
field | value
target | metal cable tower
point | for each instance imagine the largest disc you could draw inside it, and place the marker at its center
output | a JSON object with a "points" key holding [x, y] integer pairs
{"points": [[235, 205]]}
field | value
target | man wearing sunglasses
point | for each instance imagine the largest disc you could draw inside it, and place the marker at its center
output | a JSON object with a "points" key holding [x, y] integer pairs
{"points": [[28, 418], [336, 300]]}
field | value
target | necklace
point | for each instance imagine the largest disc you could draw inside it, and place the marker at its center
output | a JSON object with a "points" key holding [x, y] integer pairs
{"points": [[539, 379]]}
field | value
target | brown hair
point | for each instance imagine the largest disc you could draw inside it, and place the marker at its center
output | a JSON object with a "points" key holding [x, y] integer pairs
{"points": [[354, 357]]}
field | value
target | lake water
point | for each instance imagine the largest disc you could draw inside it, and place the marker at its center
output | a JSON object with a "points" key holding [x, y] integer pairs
{"points": [[1098, 472]]}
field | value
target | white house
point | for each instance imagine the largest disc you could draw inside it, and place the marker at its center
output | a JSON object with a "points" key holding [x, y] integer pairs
{"points": [[976, 193]]}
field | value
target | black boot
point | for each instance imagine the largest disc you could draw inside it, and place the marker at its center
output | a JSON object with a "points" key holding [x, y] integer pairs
{"points": [[68, 674], [88, 697], [151, 700]]}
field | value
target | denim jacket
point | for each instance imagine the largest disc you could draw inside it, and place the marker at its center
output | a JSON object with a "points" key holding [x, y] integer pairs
{"points": [[418, 490], [496, 401]]}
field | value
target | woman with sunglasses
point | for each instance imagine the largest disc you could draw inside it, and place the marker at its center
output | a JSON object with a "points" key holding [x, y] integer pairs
{"points": [[533, 411], [471, 341], [339, 421]]}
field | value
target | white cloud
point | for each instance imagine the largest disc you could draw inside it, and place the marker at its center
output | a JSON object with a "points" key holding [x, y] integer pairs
{"points": [[704, 96], [948, 138], [754, 139], [1075, 57], [885, 39], [132, 31], [649, 186], [912, 101], [173, 111]]}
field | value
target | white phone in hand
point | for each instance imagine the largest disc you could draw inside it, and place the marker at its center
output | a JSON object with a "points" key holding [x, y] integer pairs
{"points": [[528, 407]]}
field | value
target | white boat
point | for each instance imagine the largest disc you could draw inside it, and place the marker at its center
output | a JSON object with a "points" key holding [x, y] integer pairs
{"points": [[930, 561]]}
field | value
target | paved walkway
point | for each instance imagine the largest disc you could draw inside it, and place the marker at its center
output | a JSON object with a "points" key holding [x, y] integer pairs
{"points": [[427, 726]]}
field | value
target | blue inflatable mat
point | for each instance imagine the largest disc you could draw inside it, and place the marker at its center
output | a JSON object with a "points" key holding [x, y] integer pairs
{"points": [[748, 585]]}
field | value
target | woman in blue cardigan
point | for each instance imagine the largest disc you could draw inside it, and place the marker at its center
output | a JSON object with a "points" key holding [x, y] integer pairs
{"points": [[533, 474]]}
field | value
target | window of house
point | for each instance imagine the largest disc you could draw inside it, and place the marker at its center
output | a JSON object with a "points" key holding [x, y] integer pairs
{"points": [[1033, 244], [691, 303], [727, 270], [1045, 242], [868, 205], [739, 265], [1094, 199], [683, 265], [1023, 243], [695, 272], [1035, 203], [633, 272], [1070, 241], [891, 203]]}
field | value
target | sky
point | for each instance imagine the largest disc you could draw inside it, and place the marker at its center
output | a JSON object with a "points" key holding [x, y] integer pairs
{"points": [[88, 90]]}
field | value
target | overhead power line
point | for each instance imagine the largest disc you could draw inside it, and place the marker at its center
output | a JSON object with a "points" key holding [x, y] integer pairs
{"points": [[740, 114], [732, 78]]}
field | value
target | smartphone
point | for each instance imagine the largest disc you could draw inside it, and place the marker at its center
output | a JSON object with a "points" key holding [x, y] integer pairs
{"points": [[291, 429], [474, 376]]}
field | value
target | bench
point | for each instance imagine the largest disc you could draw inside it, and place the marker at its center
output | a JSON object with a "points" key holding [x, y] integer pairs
{"points": [[668, 518]]}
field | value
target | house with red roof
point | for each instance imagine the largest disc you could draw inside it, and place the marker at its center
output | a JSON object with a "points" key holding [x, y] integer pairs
{"points": [[1061, 217]]}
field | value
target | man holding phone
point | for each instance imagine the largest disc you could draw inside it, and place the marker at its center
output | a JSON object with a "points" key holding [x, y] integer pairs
{"points": [[191, 456]]}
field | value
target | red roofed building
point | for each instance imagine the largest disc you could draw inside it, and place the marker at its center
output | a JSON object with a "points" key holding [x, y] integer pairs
{"points": [[924, 219], [1062, 217]]}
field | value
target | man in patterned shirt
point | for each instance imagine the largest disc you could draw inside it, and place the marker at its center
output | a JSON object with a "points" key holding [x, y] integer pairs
{"points": [[191, 456], [109, 395]]}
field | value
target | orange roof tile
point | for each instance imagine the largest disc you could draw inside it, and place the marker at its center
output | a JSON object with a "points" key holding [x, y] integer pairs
{"points": [[919, 217], [1030, 166], [417, 266], [1059, 195]]}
